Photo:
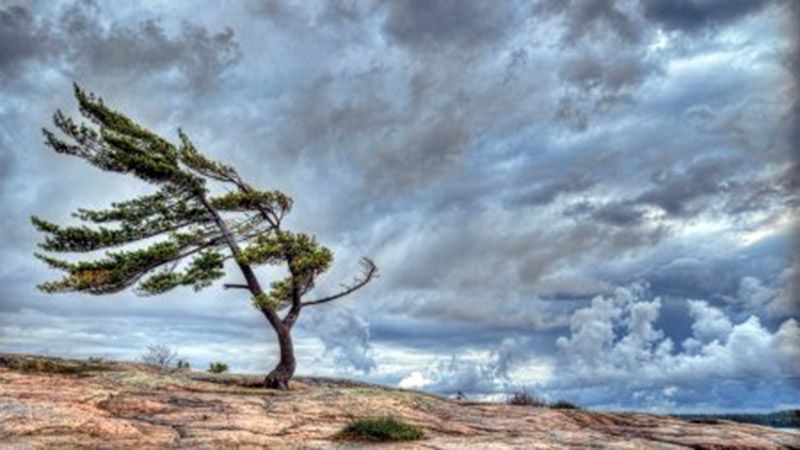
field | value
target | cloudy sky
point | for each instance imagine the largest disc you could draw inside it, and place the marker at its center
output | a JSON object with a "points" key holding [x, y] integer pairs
{"points": [[592, 198]]}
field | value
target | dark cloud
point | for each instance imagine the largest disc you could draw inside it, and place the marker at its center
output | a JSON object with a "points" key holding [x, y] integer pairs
{"points": [[718, 278], [337, 18], [422, 25], [792, 296], [269, 8], [619, 213], [695, 15], [761, 193], [588, 71], [695, 278], [280, 13], [79, 43], [547, 193], [676, 190], [793, 64], [341, 12], [19, 39], [200, 56], [390, 147], [6, 164], [592, 16], [422, 155], [601, 79], [445, 338]]}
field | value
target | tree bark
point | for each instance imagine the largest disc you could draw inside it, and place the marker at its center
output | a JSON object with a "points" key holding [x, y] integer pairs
{"points": [[283, 372]]}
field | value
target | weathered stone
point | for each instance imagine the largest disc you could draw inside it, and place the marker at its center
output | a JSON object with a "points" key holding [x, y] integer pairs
{"points": [[136, 406]]}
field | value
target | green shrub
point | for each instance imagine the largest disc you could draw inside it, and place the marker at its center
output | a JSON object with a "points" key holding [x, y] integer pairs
{"points": [[217, 367], [182, 364], [564, 404], [524, 397], [381, 429]]}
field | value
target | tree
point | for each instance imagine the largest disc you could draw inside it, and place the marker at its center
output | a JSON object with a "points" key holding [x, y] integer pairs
{"points": [[182, 234], [159, 355]]}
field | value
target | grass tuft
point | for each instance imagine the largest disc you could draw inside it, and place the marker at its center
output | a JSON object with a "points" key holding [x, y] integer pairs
{"points": [[381, 429]]}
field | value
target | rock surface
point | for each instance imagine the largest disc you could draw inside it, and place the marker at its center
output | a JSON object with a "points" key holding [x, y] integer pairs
{"points": [[66, 403]]}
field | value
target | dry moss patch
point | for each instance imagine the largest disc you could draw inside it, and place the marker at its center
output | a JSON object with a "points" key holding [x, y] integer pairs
{"points": [[52, 365]]}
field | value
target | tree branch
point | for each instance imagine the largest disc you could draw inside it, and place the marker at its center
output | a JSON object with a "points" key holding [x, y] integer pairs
{"points": [[369, 271], [294, 313], [252, 282], [236, 286], [297, 305], [177, 259]]}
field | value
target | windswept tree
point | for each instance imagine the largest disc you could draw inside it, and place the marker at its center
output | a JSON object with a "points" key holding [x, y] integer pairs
{"points": [[183, 233]]}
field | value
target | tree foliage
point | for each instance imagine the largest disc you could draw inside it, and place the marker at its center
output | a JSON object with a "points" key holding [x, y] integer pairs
{"points": [[182, 214], [182, 233]]}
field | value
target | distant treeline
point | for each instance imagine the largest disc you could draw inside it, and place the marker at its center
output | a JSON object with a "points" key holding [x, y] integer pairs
{"points": [[782, 419]]}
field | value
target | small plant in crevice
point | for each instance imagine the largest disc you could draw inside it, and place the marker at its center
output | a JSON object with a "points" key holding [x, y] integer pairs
{"points": [[183, 364], [217, 367], [563, 404], [380, 429]]}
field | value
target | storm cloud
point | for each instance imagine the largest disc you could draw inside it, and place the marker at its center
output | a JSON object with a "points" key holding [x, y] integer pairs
{"points": [[694, 15], [76, 41], [572, 195]]}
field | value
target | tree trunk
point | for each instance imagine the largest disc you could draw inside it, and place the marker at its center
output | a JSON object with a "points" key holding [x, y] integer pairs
{"points": [[283, 372]]}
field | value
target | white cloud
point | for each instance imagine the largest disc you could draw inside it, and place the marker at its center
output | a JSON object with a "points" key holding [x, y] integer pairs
{"points": [[709, 323], [615, 341], [480, 374], [415, 380], [344, 335]]}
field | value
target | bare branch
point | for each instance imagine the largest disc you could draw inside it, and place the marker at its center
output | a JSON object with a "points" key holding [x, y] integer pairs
{"points": [[368, 271], [236, 286]]}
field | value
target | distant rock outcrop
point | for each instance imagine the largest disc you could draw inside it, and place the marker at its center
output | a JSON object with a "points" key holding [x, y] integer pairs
{"points": [[50, 402]]}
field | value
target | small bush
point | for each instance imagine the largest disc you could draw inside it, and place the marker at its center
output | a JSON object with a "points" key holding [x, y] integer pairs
{"points": [[382, 429], [564, 404], [182, 364], [159, 355], [217, 367], [524, 397]]}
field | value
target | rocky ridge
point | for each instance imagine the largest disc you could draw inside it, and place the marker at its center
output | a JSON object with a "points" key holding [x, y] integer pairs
{"points": [[51, 402]]}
